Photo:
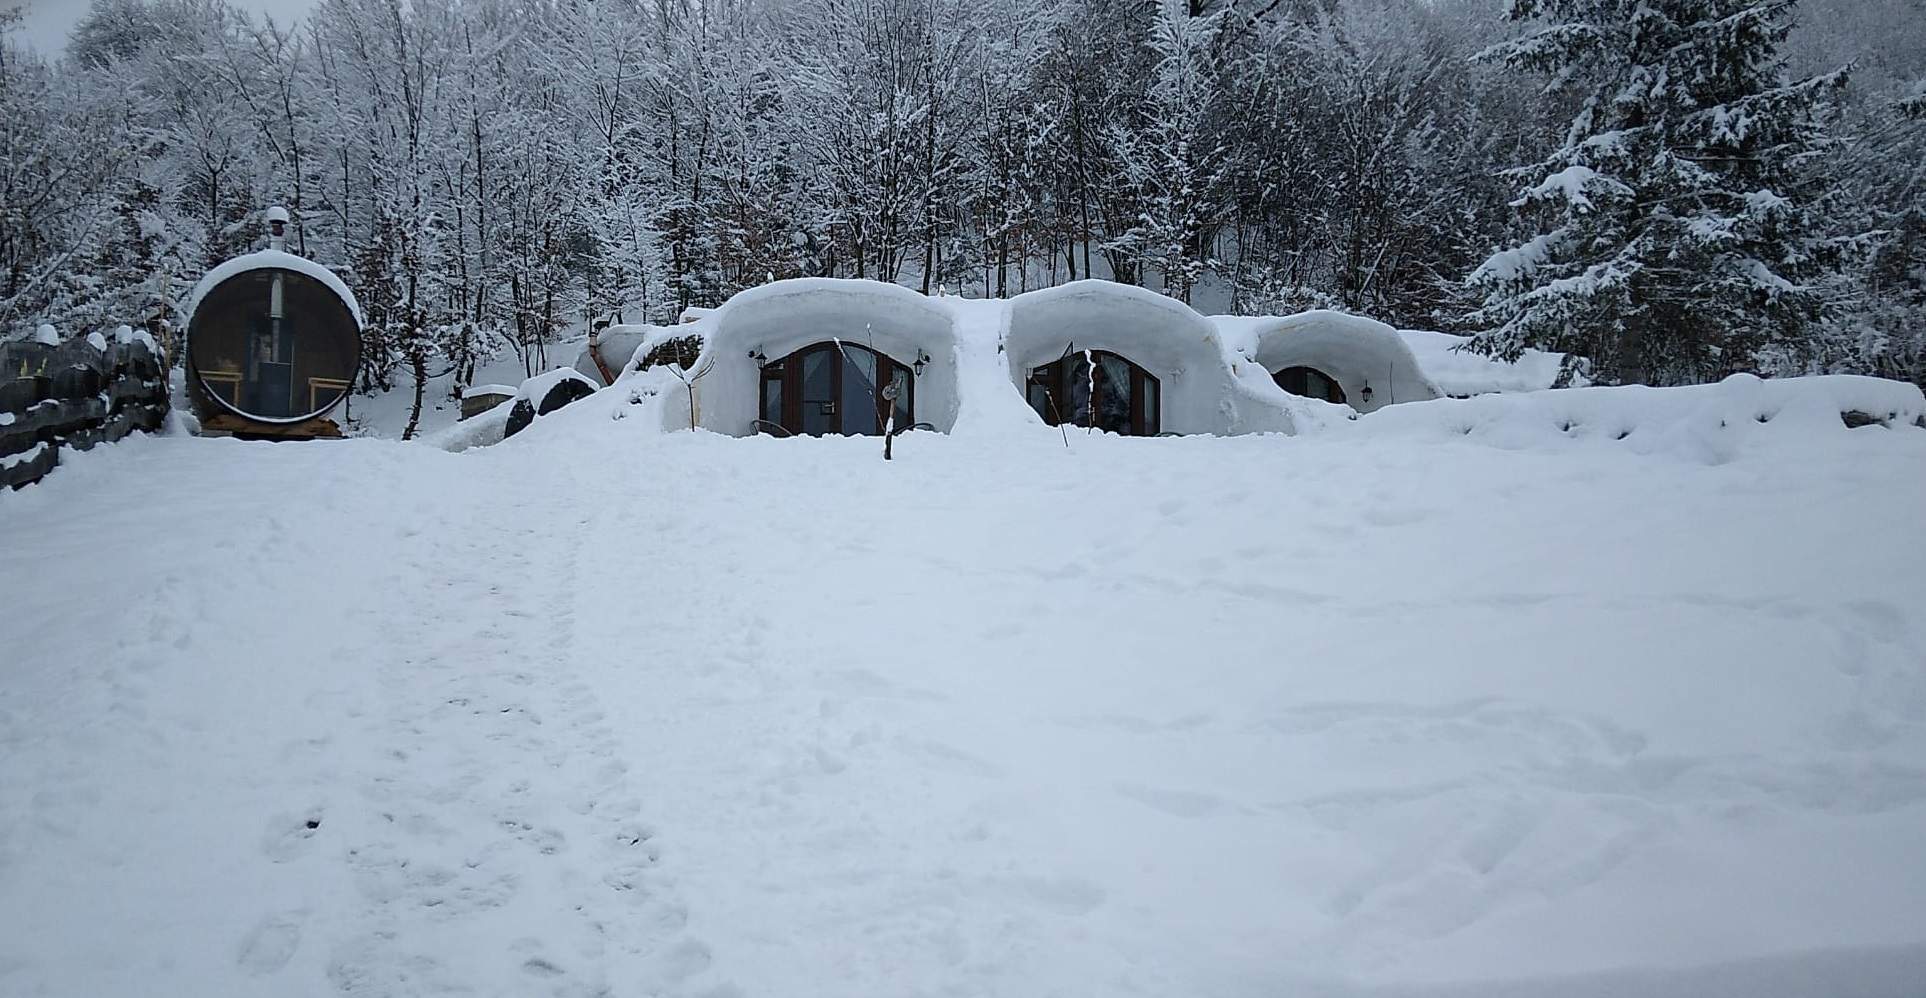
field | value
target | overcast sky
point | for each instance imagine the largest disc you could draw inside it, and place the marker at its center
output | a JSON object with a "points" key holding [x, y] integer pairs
{"points": [[49, 21]]}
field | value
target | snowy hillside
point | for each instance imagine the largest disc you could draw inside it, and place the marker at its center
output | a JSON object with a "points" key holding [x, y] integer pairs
{"points": [[602, 710]]}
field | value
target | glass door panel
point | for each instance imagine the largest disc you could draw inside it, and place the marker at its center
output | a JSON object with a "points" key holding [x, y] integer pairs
{"points": [[859, 402], [819, 391], [1113, 394], [905, 397]]}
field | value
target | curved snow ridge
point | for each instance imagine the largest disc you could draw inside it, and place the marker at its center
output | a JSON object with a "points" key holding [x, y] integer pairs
{"points": [[536, 388], [270, 260], [1370, 360], [1707, 422]]}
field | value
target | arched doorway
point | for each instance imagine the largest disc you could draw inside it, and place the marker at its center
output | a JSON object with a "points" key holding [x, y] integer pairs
{"points": [[1310, 383], [835, 388], [1127, 398]]}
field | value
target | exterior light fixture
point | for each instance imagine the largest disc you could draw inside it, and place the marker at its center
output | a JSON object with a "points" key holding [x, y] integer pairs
{"points": [[757, 356], [921, 359], [1366, 394]]}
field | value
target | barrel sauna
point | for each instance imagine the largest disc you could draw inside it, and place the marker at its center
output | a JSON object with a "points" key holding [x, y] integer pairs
{"points": [[273, 343]]}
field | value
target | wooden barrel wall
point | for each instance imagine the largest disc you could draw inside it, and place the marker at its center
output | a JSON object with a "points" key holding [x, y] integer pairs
{"points": [[243, 364]]}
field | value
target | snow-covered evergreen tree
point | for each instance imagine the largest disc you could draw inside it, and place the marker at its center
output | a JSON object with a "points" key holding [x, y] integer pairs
{"points": [[1678, 238]]}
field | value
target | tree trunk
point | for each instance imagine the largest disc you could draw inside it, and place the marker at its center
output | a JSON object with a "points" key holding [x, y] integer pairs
{"points": [[418, 360]]}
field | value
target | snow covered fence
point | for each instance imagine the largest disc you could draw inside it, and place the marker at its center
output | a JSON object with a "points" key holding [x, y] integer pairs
{"points": [[73, 395]]}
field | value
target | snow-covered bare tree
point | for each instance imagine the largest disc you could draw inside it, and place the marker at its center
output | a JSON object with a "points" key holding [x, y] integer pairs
{"points": [[1171, 155]]}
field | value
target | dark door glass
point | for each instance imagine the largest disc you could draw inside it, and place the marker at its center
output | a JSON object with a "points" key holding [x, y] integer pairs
{"points": [[819, 391], [1112, 394], [835, 388], [905, 413], [1310, 383], [859, 395], [1112, 385], [772, 395]]}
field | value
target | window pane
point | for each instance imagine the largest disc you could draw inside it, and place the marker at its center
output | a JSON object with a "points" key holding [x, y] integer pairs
{"points": [[819, 391], [859, 391], [772, 395], [905, 397], [1076, 386], [1113, 393]]}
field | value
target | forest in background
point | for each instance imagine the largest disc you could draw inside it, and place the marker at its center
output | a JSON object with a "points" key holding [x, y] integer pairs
{"points": [[487, 173]]}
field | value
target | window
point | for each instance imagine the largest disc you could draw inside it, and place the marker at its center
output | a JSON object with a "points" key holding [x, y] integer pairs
{"points": [[1098, 389], [833, 388], [282, 368], [1310, 383]]}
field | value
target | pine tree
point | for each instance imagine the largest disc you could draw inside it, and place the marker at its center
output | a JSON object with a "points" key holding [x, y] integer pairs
{"points": [[1679, 219]]}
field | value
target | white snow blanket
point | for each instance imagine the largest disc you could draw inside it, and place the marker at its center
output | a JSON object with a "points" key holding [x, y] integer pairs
{"points": [[1369, 359], [1700, 422], [1459, 372], [1381, 711], [534, 390]]}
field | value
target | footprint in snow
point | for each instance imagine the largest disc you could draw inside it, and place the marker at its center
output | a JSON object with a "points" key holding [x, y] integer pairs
{"points": [[1179, 803], [271, 943], [288, 836]]}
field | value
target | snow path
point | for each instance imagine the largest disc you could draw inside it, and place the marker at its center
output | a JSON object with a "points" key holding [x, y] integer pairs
{"points": [[598, 712], [441, 806], [494, 752]]}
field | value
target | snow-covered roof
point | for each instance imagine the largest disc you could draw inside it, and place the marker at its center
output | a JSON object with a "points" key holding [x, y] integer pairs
{"points": [[271, 260], [536, 389], [1358, 352], [1202, 389], [770, 309], [1136, 322]]}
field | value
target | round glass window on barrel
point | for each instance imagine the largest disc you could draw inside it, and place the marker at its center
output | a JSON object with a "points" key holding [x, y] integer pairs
{"points": [[273, 345]]}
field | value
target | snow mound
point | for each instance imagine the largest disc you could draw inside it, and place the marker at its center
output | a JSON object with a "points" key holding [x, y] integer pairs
{"points": [[126, 335], [1367, 358], [480, 430], [1705, 422], [1203, 389], [1461, 373], [620, 346], [537, 388]]}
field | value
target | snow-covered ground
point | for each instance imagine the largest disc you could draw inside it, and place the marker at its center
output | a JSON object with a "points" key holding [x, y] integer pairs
{"points": [[605, 710], [386, 414]]}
